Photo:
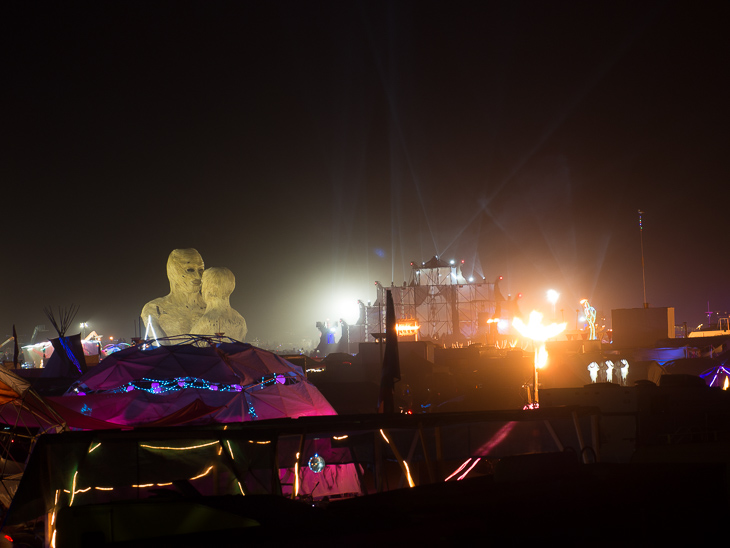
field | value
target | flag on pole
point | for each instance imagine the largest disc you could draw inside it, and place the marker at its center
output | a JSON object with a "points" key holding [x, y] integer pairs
{"points": [[391, 362]]}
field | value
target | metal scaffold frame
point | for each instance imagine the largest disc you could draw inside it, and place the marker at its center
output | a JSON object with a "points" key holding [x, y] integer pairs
{"points": [[440, 300]]}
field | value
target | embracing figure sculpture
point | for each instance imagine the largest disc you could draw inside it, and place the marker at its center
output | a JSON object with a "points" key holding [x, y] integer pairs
{"points": [[197, 303]]}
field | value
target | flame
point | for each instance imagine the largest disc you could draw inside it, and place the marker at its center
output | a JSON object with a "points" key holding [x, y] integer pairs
{"points": [[726, 384], [535, 330], [539, 333], [541, 357]]}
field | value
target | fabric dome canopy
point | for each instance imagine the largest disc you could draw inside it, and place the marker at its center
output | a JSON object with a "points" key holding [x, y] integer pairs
{"points": [[196, 383]]}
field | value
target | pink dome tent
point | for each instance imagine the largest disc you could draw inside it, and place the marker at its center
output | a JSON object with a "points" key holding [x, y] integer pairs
{"points": [[192, 380]]}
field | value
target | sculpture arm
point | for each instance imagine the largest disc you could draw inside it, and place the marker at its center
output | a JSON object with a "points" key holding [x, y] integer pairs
{"points": [[150, 317]]}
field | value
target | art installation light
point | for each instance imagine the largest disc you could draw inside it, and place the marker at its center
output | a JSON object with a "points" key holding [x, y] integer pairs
{"points": [[539, 334], [316, 464], [407, 327], [590, 313]]}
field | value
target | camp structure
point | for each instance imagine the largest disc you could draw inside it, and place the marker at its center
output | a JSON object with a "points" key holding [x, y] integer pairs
{"points": [[192, 381], [425, 477], [24, 416]]}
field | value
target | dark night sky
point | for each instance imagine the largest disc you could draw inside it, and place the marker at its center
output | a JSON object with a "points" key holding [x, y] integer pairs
{"points": [[315, 147]]}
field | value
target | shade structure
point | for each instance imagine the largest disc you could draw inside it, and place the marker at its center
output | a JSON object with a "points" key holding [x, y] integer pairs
{"points": [[21, 406], [24, 416], [177, 384]]}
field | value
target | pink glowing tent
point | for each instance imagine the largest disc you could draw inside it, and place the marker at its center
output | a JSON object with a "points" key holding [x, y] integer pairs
{"points": [[177, 384]]}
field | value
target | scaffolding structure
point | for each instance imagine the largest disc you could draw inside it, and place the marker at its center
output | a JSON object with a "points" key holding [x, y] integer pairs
{"points": [[446, 306]]}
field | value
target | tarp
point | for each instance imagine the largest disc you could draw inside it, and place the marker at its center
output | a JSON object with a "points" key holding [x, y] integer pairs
{"points": [[227, 363], [189, 384], [24, 415], [21, 406], [67, 359]]}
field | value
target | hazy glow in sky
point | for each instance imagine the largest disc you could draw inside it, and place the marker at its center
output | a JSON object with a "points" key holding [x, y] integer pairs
{"points": [[316, 149]]}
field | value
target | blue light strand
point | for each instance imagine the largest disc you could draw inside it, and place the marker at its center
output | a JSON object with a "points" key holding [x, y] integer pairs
{"points": [[166, 386], [70, 354]]}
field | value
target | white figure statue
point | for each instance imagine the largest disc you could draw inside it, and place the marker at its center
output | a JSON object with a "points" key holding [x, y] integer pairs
{"points": [[175, 313], [593, 370], [624, 371], [219, 317], [609, 371]]}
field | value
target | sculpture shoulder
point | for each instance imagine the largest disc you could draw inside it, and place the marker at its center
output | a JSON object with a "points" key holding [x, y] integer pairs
{"points": [[155, 307]]}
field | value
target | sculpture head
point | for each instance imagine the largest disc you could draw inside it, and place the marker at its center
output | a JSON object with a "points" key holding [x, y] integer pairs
{"points": [[185, 270], [218, 283]]}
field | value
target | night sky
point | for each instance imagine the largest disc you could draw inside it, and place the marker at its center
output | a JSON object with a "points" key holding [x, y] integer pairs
{"points": [[316, 147]]}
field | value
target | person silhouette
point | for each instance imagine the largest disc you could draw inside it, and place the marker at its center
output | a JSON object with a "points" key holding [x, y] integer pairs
{"points": [[176, 312], [219, 317]]}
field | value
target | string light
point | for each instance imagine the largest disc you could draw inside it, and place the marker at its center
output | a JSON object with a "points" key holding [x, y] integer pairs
{"points": [[73, 488], [408, 475], [461, 477], [459, 469], [167, 386], [203, 474], [178, 448], [296, 476]]}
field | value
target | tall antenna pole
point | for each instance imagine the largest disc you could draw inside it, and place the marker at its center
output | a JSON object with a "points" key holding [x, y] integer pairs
{"points": [[643, 275]]}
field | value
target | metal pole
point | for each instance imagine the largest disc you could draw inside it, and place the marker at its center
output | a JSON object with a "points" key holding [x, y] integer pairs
{"points": [[643, 276], [535, 397]]}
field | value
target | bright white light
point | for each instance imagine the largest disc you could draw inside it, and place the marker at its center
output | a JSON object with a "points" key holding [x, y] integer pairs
{"points": [[348, 310], [552, 296]]}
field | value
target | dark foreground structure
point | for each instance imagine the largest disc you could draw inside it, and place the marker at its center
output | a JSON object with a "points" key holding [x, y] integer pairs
{"points": [[647, 466]]}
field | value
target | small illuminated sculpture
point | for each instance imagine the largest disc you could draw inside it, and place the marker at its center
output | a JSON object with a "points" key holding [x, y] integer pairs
{"points": [[624, 371], [590, 314], [538, 333], [316, 464], [593, 370], [609, 370]]}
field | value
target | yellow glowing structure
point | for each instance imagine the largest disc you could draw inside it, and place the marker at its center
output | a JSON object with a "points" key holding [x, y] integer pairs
{"points": [[406, 328], [538, 333], [590, 314]]}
